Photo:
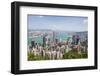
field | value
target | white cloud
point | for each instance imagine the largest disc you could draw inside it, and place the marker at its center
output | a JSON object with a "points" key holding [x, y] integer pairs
{"points": [[41, 16], [55, 26], [85, 21]]}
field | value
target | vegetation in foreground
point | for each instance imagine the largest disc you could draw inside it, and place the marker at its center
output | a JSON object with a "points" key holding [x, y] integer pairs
{"points": [[69, 55]]}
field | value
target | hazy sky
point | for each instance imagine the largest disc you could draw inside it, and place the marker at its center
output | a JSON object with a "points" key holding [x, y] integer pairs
{"points": [[63, 23]]}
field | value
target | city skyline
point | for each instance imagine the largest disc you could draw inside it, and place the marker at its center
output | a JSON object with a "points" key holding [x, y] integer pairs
{"points": [[58, 23]]}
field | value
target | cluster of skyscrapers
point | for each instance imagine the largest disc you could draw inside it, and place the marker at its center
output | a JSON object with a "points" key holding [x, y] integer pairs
{"points": [[51, 42]]}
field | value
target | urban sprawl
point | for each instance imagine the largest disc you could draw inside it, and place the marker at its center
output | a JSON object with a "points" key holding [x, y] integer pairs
{"points": [[54, 45]]}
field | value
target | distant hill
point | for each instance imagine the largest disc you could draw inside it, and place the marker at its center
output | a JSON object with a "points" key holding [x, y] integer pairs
{"points": [[69, 32], [39, 30]]}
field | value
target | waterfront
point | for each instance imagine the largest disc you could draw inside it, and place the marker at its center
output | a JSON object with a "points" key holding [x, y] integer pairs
{"points": [[54, 45], [52, 37]]}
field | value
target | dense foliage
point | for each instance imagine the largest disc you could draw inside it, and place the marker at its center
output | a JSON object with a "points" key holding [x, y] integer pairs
{"points": [[69, 55]]}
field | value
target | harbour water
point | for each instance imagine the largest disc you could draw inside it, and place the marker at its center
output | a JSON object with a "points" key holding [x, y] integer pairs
{"points": [[37, 35], [61, 36]]}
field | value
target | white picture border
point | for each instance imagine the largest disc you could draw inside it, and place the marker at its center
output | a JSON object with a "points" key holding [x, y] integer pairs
{"points": [[26, 65]]}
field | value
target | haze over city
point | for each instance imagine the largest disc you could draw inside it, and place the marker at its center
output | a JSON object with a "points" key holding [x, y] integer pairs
{"points": [[61, 23], [57, 37]]}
